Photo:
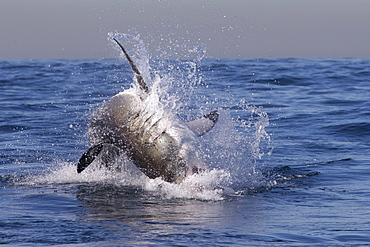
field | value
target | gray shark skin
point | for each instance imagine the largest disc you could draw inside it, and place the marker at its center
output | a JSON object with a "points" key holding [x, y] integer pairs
{"points": [[157, 142]]}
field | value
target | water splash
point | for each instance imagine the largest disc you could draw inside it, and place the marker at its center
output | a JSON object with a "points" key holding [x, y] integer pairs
{"points": [[204, 186], [229, 150]]}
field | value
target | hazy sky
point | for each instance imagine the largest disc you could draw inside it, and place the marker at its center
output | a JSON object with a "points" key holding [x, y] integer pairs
{"points": [[228, 28]]}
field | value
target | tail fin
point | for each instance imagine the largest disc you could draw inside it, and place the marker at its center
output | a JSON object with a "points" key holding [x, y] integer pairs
{"points": [[138, 76]]}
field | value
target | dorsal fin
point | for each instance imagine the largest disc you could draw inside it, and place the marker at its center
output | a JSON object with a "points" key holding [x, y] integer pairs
{"points": [[204, 124], [138, 76]]}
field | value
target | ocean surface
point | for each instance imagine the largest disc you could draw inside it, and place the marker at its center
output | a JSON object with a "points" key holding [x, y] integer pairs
{"points": [[289, 161]]}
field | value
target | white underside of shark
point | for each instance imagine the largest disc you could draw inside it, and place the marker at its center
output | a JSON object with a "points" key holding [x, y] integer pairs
{"points": [[153, 138]]}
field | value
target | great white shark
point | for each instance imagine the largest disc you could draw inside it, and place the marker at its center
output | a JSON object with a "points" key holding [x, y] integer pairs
{"points": [[157, 142]]}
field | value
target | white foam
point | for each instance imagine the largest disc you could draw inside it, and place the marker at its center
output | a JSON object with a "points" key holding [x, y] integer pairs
{"points": [[209, 185]]}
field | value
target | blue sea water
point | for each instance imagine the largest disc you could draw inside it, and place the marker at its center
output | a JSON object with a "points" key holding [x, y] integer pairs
{"points": [[289, 159]]}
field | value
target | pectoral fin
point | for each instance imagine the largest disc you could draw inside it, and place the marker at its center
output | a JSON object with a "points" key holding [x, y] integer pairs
{"points": [[88, 157], [204, 124]]}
